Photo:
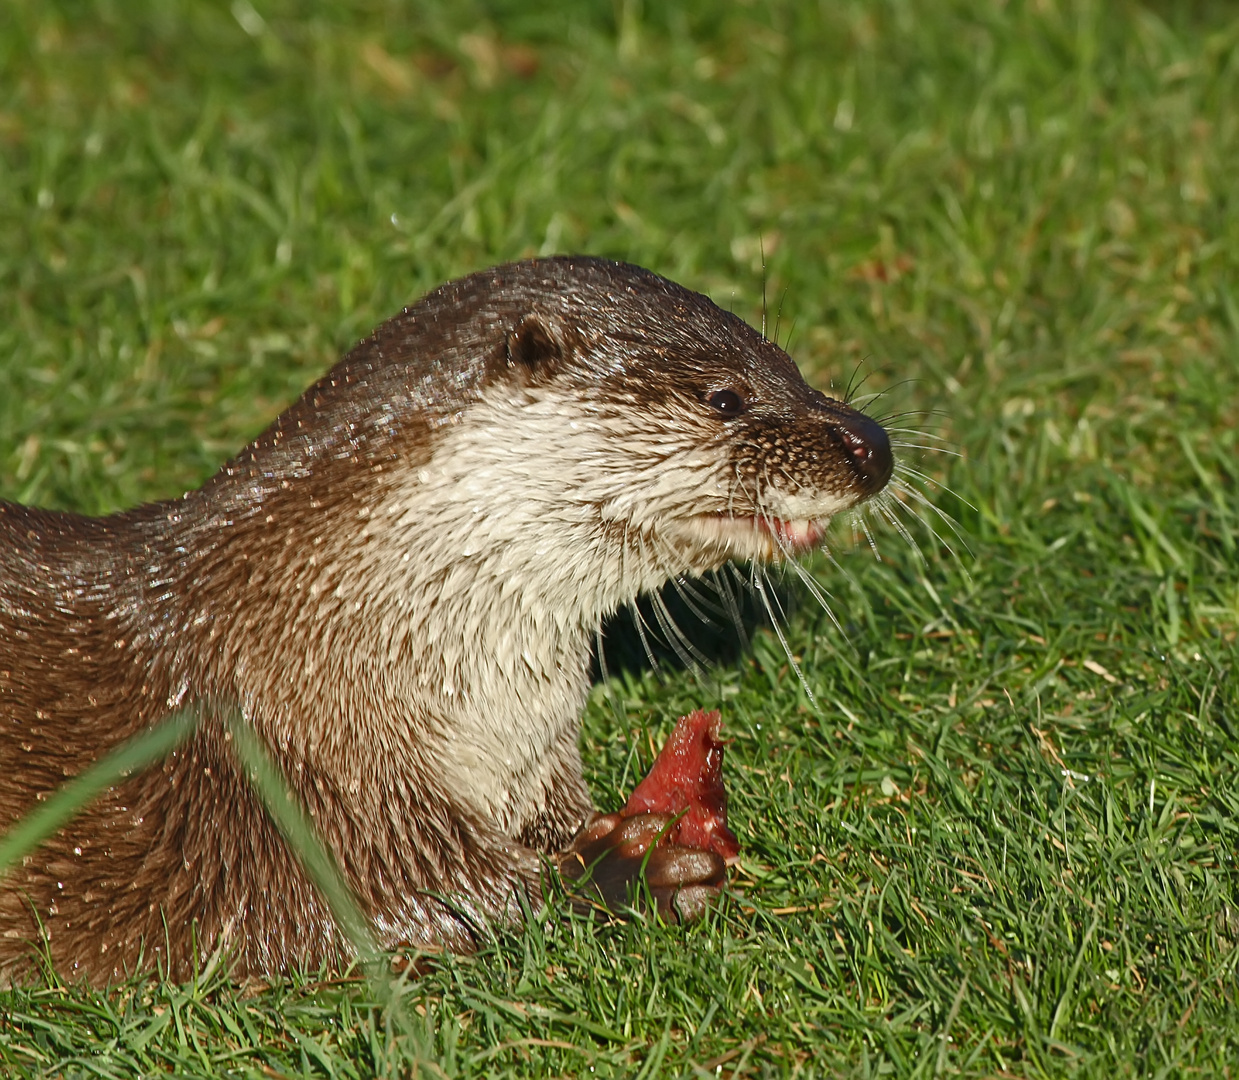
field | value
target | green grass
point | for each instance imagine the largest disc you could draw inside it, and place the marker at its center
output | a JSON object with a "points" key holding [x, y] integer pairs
{"points": [[1001, 840]]}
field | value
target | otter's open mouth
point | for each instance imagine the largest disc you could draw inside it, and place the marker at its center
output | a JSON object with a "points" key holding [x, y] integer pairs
{"points": [[751, 535]]}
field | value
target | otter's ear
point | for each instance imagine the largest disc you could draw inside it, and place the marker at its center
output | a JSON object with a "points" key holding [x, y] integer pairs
{"points": [[536, 343]]}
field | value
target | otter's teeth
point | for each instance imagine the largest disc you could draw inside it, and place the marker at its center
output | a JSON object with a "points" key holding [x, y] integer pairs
{"points": [[759, 536], [797, 535]]}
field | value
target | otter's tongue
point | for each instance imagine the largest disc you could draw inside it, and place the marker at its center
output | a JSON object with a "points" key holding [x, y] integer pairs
{"points": [[687, 778]]}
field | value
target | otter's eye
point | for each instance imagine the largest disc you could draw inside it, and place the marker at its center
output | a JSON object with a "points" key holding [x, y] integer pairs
{"points": [[727, 402]]}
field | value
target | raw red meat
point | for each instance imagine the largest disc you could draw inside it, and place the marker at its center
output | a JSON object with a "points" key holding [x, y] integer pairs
{"points": [[687, 777]]}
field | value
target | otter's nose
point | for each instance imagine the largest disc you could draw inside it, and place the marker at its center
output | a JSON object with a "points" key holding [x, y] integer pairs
{"points": [[870, 447]]}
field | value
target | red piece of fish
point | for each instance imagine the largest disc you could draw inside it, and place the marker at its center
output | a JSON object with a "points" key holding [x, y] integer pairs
{"points": [[687, 778]]}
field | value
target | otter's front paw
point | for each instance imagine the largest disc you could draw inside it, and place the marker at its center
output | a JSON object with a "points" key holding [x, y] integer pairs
{"points": [[613, 856]]}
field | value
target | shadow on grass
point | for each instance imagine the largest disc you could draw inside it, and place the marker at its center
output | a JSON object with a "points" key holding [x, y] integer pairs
{"points": [[703, 622]]}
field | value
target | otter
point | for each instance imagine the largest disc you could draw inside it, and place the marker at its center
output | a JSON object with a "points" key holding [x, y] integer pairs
{"points": [[397, 586]]}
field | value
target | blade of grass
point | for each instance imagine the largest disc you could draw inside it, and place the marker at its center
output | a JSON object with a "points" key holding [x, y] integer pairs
{"points": [[285, 808]]}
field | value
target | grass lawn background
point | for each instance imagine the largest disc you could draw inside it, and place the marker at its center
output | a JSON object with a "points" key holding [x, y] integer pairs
{"points": [[1000, 839]]}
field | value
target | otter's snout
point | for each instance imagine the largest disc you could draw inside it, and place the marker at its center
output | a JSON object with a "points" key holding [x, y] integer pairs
{"points": [[870, 448]]}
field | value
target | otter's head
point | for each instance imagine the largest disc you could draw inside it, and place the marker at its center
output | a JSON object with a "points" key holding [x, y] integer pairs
{"points": [[692, 438]]}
